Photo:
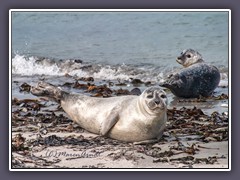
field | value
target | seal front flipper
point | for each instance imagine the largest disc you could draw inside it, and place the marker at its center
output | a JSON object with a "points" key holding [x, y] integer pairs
{"points": [[150, 141], [110, 121]]}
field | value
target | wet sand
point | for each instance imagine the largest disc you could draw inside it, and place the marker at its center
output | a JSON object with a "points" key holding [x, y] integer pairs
{"points": [[43, 136]]}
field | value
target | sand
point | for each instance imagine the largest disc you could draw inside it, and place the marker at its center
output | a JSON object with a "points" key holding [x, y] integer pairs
{"points": [[43, 137]]}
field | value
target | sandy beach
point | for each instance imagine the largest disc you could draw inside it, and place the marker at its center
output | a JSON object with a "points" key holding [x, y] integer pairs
{"points": [[108, 54], [43, 136]]}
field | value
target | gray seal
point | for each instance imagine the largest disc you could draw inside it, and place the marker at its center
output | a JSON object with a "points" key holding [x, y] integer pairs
{"points": [[196, 79], [131, 118]]}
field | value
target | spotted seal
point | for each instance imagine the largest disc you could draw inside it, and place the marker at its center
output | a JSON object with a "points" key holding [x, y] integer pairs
{"points": [[196, 78], [127, 118]]}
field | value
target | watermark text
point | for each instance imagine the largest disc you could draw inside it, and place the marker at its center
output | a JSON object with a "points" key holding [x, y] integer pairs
{"points": [[83, 154]]}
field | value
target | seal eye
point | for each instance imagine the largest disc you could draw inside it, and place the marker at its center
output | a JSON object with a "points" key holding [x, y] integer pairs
{"points": [[188, 55], [163, 96]]}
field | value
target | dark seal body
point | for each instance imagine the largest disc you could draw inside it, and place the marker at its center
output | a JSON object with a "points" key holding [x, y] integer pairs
{"points": [[194, 81]]}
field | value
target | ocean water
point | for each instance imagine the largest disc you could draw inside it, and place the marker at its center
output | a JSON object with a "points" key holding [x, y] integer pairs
{"points": [[115, 45]]}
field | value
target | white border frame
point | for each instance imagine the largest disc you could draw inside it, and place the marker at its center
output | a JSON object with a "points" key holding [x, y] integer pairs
{"points": [[120, 10]]}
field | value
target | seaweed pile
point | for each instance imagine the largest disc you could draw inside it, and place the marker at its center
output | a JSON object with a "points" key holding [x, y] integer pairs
{"points": [[42, 119]]}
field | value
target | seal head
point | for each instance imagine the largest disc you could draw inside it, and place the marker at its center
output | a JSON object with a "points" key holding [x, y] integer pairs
{"points": [[153, 100], [189, 57]]}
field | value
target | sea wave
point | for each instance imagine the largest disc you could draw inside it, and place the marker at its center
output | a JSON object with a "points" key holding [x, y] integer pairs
{"points": [[29, 66]]}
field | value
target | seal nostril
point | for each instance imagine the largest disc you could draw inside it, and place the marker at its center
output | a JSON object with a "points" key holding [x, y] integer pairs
{"points": [[157, 101]]}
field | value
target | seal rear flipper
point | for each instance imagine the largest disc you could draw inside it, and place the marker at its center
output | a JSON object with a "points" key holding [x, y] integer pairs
{"points": [[110, 121], [48, 90]]}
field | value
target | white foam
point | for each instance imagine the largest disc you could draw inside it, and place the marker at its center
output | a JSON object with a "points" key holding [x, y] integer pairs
{"points": [[106, 72], [223, 83], [224, 80], [27, 66], [78, 73], [109, 73]]}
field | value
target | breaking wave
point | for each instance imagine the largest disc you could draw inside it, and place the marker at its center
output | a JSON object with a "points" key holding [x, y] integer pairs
{"points": [[29, 66]]}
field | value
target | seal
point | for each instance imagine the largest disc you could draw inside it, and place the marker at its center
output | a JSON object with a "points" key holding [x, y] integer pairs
{"points": [[189, 57], [139, 119], [196, 79]]}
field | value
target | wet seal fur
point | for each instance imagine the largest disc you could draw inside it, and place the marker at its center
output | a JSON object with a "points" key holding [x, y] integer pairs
{"points": [[139, 119], [196, 79]]}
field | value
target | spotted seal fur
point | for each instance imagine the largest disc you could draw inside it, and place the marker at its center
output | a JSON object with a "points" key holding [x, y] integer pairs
{"points": [[196, 79]]}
